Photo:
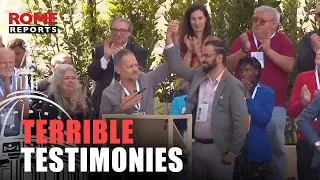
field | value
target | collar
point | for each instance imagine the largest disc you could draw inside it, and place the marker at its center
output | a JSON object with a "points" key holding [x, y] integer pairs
{"points": [[218, 79]]}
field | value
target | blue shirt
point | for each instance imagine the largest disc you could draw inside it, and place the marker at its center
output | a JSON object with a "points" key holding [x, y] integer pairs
{"points": [[178, 105], [260, 110]]}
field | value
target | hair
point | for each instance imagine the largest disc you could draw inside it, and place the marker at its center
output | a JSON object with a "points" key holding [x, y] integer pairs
{"points": [[17, 43], [270, 10], [58, 75], [253, 62], [7, 50], [220, 47], [122, 19], [58, 57], [118, 57], [186, 28]]}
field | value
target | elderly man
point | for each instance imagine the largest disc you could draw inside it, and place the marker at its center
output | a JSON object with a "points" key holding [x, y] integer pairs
{"points": [[310, 43], [11, 83], [102, 69], [276, 55], [60, 58]]}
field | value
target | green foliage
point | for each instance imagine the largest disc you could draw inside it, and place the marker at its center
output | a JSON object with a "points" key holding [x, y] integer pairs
{"points": [[76, 36], [289, 23]]}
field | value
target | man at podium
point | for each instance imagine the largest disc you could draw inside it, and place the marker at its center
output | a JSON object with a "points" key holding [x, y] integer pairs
{"points": [[134, 93], [216, 100]]}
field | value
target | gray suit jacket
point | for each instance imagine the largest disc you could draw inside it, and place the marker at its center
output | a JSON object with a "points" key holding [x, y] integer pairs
{"points": [[229, 113], [308, 115], [111, 96]]}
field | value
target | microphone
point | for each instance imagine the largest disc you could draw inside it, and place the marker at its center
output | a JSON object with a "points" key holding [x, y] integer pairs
{"points": [[140, 92]]}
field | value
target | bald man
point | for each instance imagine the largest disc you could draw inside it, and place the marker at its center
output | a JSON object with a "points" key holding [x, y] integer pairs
{"points": [[11, 83], [310, 43]]}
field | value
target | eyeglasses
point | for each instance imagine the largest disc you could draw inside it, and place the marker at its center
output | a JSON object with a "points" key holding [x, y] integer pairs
{"points": [[116, 31], [206, 56], [261, 21]]}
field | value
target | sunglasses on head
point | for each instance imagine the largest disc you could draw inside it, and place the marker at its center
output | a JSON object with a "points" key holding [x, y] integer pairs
{"points": [[259, 20]]}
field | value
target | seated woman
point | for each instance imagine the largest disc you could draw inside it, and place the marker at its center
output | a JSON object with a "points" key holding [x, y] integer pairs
{"points": [[254, 159], [67, 93]]}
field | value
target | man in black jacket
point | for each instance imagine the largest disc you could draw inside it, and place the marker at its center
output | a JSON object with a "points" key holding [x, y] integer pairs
{"points": [[101, 70], [310, 42]]}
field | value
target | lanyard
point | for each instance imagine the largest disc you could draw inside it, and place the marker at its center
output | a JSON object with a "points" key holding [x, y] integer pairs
{"points": [[255, 91], [317, 79], [137, 106], [256, 41], [213, 91]]}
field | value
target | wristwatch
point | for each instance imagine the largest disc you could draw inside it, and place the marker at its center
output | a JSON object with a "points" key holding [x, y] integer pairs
{"points": [[317, 144]]}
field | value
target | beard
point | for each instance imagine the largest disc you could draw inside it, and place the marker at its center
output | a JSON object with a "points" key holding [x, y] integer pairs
{"points": [[7, 72], [208, 66]]}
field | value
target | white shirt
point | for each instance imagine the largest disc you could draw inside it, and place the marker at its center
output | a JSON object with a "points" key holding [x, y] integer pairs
{"points": [[104, 64]]}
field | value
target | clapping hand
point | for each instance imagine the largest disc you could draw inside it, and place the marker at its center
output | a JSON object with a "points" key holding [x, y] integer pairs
{"points": [[127, 102], [110, 49], [305, 95], [246, 45], [315, 41]]}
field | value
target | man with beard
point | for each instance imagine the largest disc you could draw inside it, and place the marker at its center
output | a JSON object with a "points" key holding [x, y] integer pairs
{"points": [[11, 83], [123, 96], [216, 101]]}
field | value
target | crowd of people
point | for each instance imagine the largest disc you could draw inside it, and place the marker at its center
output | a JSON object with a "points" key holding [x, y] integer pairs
{"points": [[236, 94]]}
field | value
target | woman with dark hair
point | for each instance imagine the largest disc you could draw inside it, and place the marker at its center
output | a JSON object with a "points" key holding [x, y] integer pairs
{"points": [[254, 159], [195, 31]]}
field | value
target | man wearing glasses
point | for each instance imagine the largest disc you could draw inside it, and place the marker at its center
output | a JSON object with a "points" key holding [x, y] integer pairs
{"points": [[101, 70], [276, 55], [310, 44]]}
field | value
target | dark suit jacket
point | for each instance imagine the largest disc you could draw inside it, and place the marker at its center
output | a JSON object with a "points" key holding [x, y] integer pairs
{"points": [[103, 78]]}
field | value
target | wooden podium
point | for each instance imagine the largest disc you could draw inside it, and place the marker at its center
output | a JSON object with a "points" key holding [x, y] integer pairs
{"points": [[159, 131]]}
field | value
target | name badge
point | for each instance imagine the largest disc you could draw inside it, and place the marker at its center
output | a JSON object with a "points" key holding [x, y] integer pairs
{"points": [[183, 110], [259, 57], [202, 113]]}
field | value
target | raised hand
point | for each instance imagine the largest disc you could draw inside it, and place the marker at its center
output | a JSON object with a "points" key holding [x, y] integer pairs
{"points": [[266, 42], [172, 30], [315, 41], [128, 102], [305, 95], [196, 45], [189, 43], [246, 45]]}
